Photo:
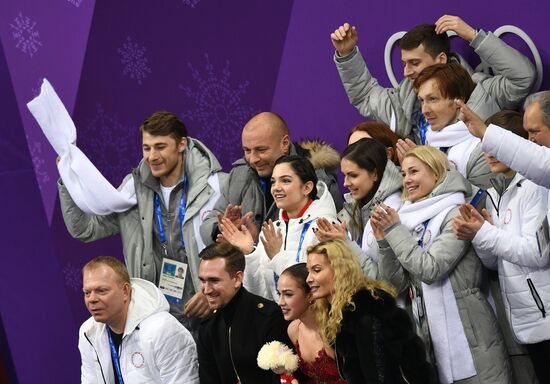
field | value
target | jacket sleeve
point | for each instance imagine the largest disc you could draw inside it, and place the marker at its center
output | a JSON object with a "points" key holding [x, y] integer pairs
{"points": [[82, 226], [89, 367], [175, 353], [434, 263], [390, 269], [514, 73], [523, 156], [255, 272], [519, 247], [209, 227], [364, 92], [478, 171], [368, 265]]}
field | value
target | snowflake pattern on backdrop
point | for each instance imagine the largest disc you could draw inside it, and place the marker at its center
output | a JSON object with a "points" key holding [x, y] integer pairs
{"points": [[110, 145], [25, 34], [132, 57], [76, 3], [73, 276], [219, 110], [191, 3], [35, 149]]}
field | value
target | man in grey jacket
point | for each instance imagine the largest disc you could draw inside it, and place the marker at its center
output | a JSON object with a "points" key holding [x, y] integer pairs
{"points": [[423, 46], [175, 184], [246, 197]]}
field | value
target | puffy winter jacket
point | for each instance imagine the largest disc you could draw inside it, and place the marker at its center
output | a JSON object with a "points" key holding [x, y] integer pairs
{"points": [[155, 347], [510, 245]]}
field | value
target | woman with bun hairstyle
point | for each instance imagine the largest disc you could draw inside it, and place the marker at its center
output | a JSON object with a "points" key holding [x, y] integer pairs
{"points": [[316, 358], [301, 200]]}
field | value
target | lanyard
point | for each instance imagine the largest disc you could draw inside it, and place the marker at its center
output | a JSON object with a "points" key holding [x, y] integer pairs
{"points": [[114, 355], [263, 184], [423, 128], [302, 236], [158, 217], [300, 244]]}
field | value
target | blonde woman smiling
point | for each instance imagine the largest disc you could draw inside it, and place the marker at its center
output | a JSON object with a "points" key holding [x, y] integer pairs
{"points": [[420, 255]]}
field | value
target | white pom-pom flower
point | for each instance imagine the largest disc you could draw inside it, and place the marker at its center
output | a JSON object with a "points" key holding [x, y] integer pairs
{"points": [[277, 357]]}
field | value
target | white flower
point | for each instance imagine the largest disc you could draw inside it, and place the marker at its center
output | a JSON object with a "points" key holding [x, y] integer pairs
{"points": [[278, 357]]}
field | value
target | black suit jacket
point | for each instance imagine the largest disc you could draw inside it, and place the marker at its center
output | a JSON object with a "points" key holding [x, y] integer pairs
{"points": [[231, 343]]}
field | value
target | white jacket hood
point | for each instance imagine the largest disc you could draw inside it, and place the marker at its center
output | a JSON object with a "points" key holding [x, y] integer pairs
{"points": [[146, 299]]}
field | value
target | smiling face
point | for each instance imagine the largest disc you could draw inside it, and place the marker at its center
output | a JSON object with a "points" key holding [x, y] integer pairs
{"points": [[105, 296], [438, 110], [288, 190], [418, 179], [293, 300], [357, 180], [217, 284], [415, 60], [164, 157], [321, 276], [263, 144]]}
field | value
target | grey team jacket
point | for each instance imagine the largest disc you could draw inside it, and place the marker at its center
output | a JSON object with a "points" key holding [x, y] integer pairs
{"points": [[514, 77], [135, 226]]}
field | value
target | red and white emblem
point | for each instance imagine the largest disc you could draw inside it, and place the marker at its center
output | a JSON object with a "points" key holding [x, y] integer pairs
{"points": [[138, 360], [508, 216], [427, 237], [370, 238]]}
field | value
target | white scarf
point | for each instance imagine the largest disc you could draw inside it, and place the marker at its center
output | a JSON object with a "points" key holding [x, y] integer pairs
{"points": [[451, 348], [89, 189], [368, 242], [458, 139]]}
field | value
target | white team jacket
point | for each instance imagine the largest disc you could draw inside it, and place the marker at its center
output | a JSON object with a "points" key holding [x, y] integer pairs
{"points": [[155, 347], [510, 245], [261, 273]]}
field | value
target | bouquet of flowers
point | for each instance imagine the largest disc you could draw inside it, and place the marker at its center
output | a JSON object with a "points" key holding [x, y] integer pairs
{"points": [[280, 359]]}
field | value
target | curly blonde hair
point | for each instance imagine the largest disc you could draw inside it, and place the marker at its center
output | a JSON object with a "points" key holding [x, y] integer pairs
{"points": [[348, 279]]}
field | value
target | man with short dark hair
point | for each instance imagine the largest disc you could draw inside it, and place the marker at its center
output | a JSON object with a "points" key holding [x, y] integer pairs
{"points": [[246, 197], [230, 338], [131, 337], [175, 184], [423, 46]]}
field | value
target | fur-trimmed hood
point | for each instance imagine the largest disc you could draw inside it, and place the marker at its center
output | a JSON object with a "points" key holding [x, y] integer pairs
{"points": [[321, 154]]}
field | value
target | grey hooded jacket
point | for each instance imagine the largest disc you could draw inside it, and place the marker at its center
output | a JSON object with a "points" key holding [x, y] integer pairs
{"points": [[514, 77], [136, 226], [391, 182], [404, 263]]}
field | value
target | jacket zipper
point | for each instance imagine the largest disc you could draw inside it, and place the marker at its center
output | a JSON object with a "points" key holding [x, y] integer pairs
{"points": [[231, 357], [98, 361], [536, 297]]}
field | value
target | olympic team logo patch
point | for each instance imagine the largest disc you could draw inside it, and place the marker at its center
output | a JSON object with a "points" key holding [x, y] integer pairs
{"points": [[508, 216], [138, 361], [205, 214], [452, 163], [427, 237]]}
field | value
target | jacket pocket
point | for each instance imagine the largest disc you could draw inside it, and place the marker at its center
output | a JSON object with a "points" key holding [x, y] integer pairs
{"points": [[536, 297]]}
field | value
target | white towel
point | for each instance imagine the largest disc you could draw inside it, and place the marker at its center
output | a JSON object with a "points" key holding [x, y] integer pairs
{"points": [[458, 139], [451, 348], [89, 189]]}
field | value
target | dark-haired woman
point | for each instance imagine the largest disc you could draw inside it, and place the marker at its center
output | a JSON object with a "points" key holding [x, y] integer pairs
{"points": [[370, 178], [301, 200]]}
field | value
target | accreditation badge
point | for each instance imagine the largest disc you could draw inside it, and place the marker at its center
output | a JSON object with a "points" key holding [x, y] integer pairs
{"points": [[172, 280], [543, 238]]}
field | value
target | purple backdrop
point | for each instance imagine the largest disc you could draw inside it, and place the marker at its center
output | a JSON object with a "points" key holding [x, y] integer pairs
{"points": [[214, 63]]}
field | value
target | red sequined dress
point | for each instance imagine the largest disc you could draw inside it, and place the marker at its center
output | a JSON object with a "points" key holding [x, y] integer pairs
{"points": [[322, 371]]}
